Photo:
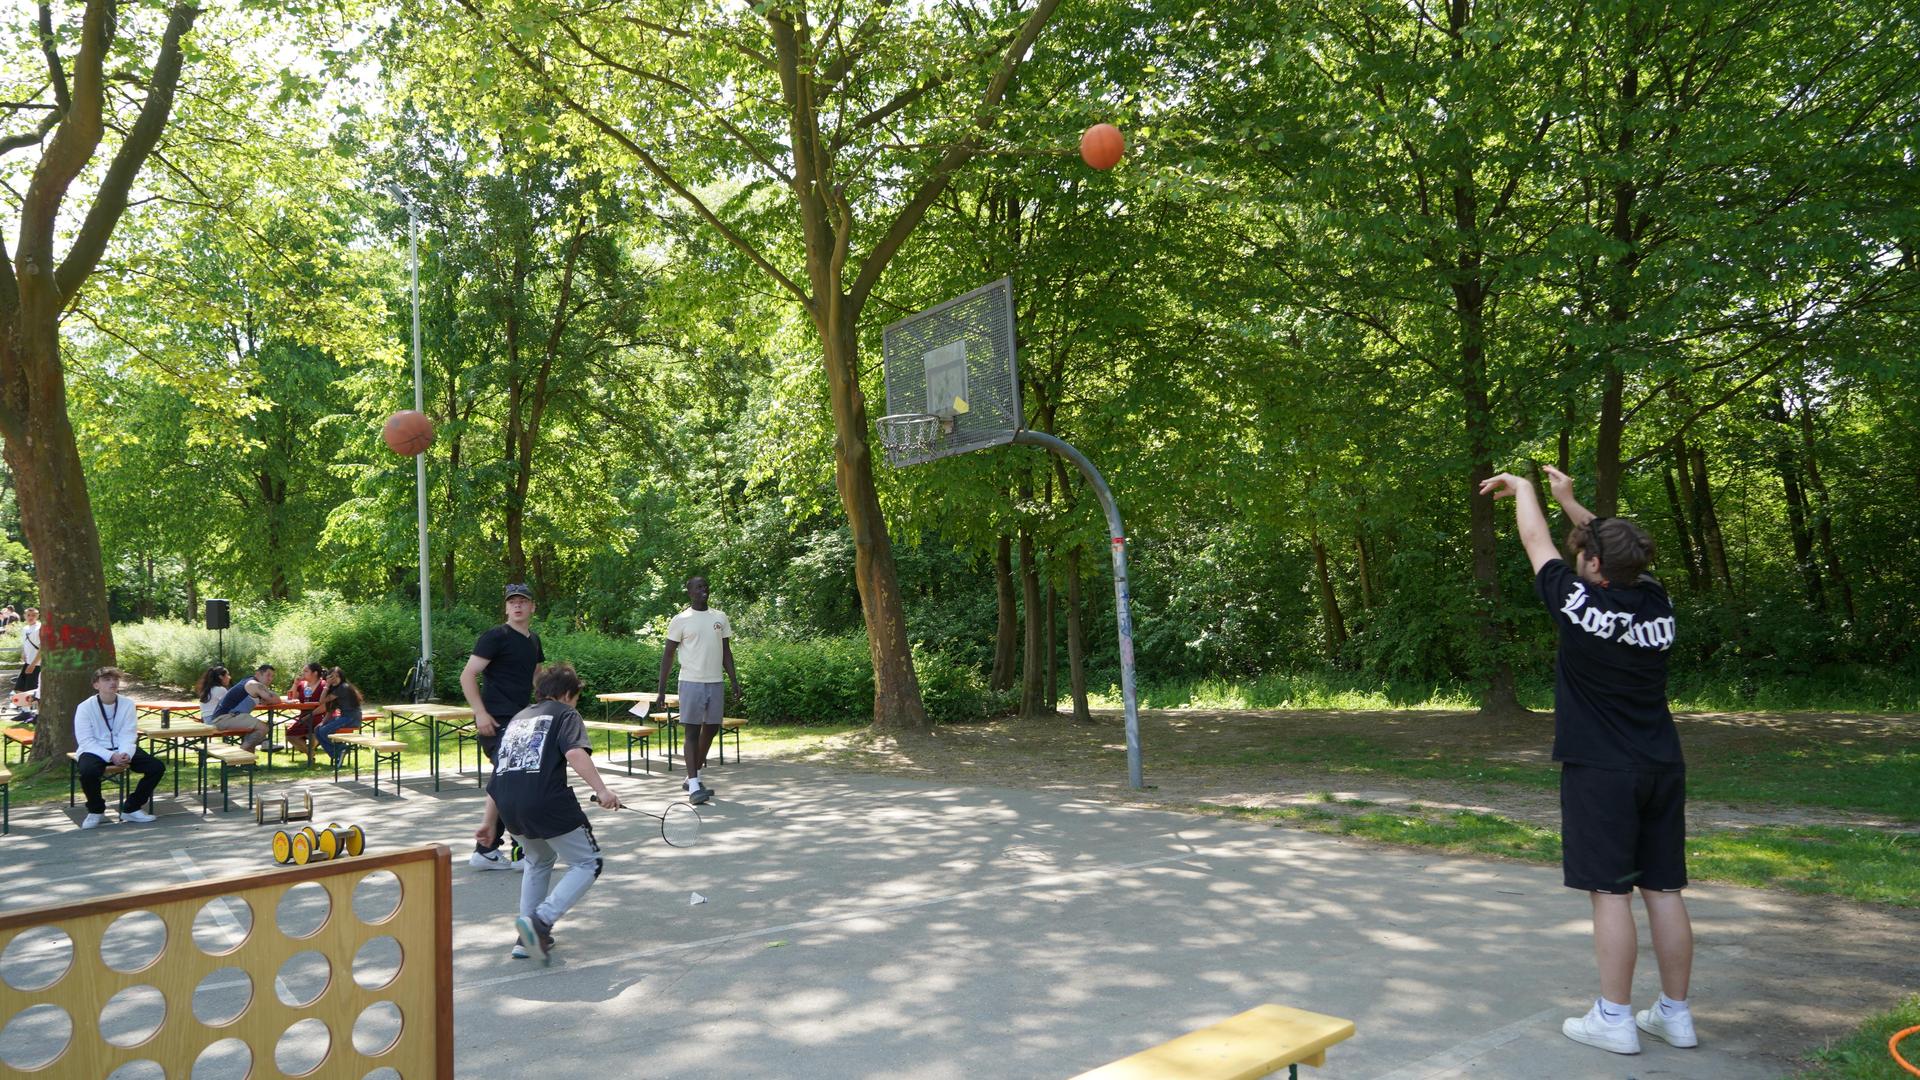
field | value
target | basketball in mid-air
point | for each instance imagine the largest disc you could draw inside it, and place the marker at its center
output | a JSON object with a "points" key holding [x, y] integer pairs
{"points": [[1102, 146], [408, 432]]}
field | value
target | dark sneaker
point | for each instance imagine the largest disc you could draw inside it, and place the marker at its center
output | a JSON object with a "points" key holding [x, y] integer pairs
{"points": [[700, 795], [535, 934]]}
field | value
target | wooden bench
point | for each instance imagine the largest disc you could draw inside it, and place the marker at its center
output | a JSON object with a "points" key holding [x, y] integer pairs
{"points": [[116, 773], [635, 733], [386, 754], [233, 757], [6, 809], [21, 737], [1259, 1042], [729, 726]]}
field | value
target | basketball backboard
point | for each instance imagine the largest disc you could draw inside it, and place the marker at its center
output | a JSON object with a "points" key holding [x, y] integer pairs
{"points": [[952, 379]]}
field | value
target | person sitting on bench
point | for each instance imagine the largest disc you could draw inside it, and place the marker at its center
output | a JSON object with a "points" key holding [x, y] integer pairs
{"points": [[346, 714], [103, 728], [211, 690], [234, 715], [309, 689]]}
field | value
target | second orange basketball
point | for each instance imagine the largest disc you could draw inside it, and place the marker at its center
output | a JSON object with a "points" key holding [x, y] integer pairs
{"points": [[1102, 146]]}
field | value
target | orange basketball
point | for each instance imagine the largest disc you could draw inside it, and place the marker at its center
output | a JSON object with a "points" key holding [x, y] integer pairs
{"points": [[1102, 146], [408, 432]]}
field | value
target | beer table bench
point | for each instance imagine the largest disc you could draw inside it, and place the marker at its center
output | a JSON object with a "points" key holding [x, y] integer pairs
{"points": [[6, 810], [174, 742], [635, 733], [386, 754], [670, 717], [438, 721], [1259, 1042]]}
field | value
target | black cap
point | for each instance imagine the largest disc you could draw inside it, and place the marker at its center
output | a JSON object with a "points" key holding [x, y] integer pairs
{"points": [[519, 590]]}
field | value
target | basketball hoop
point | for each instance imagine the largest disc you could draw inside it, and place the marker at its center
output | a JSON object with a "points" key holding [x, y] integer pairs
{"points": [[908, 437]]}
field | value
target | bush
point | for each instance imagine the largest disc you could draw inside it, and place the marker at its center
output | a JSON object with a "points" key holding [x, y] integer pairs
{"points": [[815, 681]]}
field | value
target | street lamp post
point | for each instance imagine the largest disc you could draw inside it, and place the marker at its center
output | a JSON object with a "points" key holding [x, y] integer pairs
{"points": [[422, 688]]}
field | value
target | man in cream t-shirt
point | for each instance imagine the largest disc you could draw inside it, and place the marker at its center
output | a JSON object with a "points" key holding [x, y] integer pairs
{"points": [[703, 640]]}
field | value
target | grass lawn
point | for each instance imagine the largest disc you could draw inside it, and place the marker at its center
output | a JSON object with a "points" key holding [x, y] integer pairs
{"points": [[1864, 1055]]}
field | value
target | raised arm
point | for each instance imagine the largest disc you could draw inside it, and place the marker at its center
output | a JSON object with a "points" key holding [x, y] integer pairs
{"points": [[1532, 520], [1562, 487]]}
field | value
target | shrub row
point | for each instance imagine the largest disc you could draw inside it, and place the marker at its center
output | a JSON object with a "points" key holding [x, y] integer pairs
{"points": [[815, 681]]}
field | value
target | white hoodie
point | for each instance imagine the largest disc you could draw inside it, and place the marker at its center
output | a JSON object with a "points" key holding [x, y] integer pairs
{"points": [[104, 731]]}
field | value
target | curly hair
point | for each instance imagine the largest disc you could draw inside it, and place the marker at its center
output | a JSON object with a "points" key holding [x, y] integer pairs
{"points": [[1624, 549], [557, 680]]}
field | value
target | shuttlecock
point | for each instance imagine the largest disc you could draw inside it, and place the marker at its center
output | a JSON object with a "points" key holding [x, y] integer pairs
{"points": [[695, 898]]}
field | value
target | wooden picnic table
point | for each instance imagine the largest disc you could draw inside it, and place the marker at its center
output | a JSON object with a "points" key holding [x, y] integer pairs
{"points": [[175, 739], [274, 710], [437, 720], [166, 709]]}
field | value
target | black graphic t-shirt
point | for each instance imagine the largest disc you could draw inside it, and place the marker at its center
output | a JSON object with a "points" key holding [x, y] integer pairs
{"points": [[1610, 689], [529, 782], [506, 686]]}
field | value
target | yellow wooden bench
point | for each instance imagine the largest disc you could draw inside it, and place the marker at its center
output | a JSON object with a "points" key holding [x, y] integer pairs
{"points": [[232, 757], [635, 733], [1259, 1042], [386, 753], [729, 726], [21, 737]]}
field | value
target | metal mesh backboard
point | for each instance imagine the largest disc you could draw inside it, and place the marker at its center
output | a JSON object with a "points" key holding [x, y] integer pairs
{"points": [[955, 362]]}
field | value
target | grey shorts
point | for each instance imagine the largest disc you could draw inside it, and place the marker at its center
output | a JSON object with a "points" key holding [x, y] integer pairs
{"points": [[702, 702]]}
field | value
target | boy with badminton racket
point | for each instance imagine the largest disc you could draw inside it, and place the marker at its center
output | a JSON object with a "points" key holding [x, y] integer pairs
{"points": [[529, 794], [1623, 782]]}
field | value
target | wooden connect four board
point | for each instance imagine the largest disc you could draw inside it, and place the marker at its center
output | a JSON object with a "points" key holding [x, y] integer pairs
{"points": [[157, 959]]}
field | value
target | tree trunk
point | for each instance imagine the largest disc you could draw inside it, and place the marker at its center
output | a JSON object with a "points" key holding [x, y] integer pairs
{"points": [[1076, 640], [1683, 475], [1007, 628], [1336, 629], [56, 514], [1678, 509], [1797, 525], [1606, 464], [1033, 666], [1823, 511], [193, 591], [1500, 694], [896, 689], [1709, 520], [1053, 644], [1365, 567]]}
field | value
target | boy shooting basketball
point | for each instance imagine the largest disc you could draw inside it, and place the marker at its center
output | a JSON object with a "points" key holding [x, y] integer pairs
{"points": [[1622, 778]]}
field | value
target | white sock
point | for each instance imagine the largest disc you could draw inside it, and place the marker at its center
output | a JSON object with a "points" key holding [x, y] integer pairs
{"points": [[1670, 1007], [693, 781], [1614, 1013]]}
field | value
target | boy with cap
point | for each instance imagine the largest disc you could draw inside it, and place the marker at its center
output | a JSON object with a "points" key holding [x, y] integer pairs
{"points": [[507, 655]]}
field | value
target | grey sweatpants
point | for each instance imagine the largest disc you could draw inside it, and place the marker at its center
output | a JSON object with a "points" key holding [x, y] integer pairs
{"points": [[583, 866]]}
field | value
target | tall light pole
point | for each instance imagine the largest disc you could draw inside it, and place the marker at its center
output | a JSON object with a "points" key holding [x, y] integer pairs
{"points": [[422, 688]]}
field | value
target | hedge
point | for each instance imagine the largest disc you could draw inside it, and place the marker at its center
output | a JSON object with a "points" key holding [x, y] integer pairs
{"points": [[815, 681]]}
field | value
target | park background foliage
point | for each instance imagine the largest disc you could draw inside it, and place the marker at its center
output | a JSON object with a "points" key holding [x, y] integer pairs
{"points": [[1359, 255]]}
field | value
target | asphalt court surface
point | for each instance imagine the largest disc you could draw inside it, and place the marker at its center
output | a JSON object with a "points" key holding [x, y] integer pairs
{"points": [[867, 926]]}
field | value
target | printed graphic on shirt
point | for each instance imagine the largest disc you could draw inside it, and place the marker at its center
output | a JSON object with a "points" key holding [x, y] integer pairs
{"points": [[522, 744], [1620, 626]]}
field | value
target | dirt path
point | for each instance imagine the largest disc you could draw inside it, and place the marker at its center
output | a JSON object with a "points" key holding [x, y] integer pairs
{"points": [[1228, 759]]}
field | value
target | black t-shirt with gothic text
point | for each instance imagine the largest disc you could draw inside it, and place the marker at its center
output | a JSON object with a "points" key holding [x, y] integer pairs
{"points": [[1610, 683]]}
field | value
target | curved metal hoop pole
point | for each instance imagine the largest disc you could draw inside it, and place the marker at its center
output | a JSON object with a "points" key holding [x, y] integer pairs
{"points": [[1121, 609]]}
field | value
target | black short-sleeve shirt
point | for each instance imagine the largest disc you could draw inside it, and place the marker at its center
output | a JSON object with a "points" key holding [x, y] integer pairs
{"points": [[506, 686], [1610, 687], [529, 782]]}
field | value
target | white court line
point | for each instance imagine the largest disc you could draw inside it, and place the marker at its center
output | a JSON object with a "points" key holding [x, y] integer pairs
{"points": [[1454, 1057], [824, 920]]}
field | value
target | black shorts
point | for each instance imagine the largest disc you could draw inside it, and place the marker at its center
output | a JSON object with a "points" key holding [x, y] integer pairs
{"points": [[1622, 829]]}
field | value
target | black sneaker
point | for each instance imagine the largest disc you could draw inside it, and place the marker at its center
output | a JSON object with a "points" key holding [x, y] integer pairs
{"points": [[700, 795]]}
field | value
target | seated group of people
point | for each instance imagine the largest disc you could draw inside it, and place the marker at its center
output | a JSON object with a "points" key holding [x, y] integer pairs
{"points": [[228, 705]]}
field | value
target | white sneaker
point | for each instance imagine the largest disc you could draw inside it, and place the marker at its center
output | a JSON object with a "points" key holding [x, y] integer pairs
{"points": [[488, 860], [140, 816], [519, 951], [1594, 1030], [1676, 1029], [92, 821]]}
